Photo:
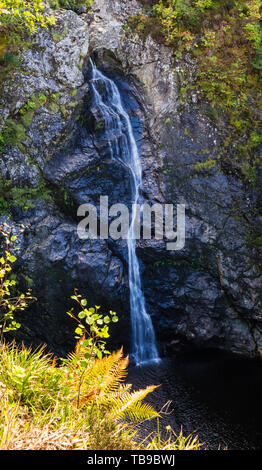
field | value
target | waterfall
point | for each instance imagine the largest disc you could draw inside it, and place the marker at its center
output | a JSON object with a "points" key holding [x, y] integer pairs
{"points": [[122, 145]]}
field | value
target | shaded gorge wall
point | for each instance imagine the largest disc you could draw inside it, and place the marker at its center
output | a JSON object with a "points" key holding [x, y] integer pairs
{"points": [[206, 295]]}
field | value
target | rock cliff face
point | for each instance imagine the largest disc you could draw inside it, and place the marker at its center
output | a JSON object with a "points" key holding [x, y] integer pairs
{"points": [[207, 294]]}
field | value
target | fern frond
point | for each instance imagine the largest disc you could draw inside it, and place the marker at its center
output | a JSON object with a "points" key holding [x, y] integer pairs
{"points": [[127, 405], [121, 392], [107, 374], [101, 377], [102, 383], [140, 412], [115, 375], [77, 355]]}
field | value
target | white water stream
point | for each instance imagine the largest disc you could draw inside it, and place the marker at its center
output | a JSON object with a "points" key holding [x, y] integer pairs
{"points": [[118, 128]]}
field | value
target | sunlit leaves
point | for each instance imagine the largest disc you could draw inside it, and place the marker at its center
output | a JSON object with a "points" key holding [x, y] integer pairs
{"points": [[25, 14], [10, 302], [92, 329]]}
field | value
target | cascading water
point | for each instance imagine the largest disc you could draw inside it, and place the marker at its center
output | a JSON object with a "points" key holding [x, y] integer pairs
{"points": [[122, 144]]}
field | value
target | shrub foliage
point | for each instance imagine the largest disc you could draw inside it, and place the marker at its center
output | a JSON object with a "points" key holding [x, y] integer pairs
{"points": [[225, 37]]}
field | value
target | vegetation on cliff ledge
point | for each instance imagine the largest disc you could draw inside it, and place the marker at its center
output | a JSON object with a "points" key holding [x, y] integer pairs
{"points": [[225, 37], [19, 18]]}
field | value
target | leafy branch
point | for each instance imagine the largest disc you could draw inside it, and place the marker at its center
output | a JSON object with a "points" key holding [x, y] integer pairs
{"points": [[92, 327], [10, 303]]}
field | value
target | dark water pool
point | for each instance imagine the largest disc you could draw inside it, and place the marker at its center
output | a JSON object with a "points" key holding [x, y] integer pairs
{"points": [[217, 395]]}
